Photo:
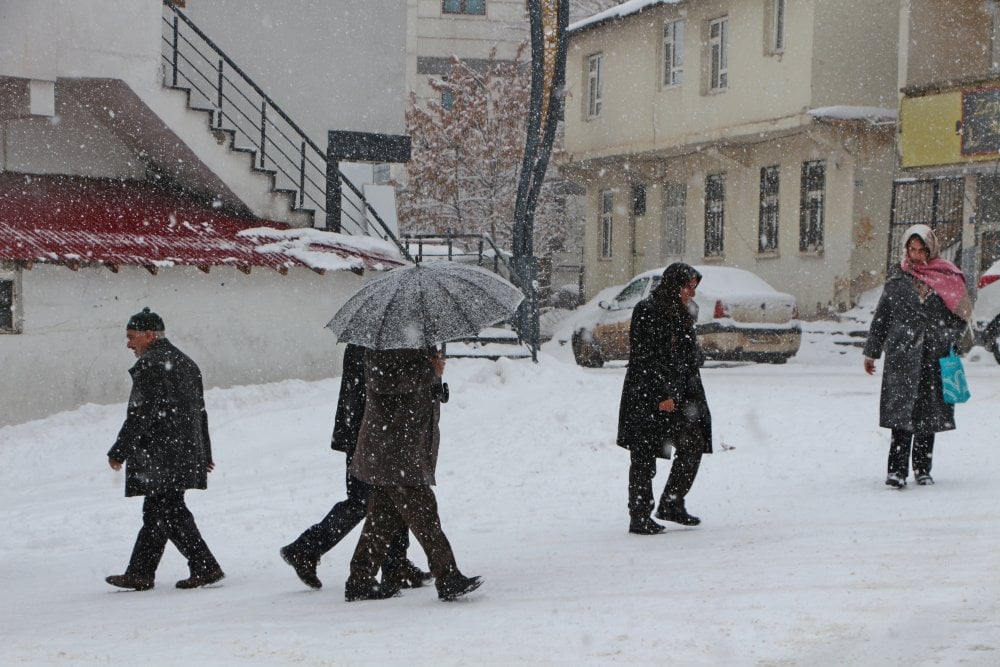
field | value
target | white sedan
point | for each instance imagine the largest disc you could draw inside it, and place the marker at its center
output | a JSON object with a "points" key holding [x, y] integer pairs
{"points": [[740, 317]]}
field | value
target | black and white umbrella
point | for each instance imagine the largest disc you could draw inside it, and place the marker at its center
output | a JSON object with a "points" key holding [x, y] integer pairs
{"points": [[424, 304]]}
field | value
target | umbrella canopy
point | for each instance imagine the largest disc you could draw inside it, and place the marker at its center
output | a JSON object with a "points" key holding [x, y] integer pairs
{"points": [[424, 304]]}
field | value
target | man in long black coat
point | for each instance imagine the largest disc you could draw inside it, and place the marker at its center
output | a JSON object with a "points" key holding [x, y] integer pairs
{"points": [[663, 402], [165, 447], [305, 552]]}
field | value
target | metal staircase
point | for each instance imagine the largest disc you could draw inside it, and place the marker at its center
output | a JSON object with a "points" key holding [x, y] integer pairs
{"points": [[244, 118]]}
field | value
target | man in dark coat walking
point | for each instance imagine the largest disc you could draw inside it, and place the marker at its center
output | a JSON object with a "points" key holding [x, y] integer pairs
{"points": [[397, 455], [305, 552], [663, 402], [165, 447]]}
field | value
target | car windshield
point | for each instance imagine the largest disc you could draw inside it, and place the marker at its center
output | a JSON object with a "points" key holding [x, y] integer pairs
{"points": [[632, 292]]}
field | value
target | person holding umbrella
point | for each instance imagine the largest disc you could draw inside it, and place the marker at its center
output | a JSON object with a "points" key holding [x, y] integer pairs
{"points": [[305, 552], [397, 455], [400, 318]]}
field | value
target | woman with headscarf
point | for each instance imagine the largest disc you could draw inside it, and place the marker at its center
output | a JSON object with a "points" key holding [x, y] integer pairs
{"points": [[663, 403], [922, 314]]}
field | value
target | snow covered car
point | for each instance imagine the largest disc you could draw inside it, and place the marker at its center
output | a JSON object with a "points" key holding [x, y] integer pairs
{"points": [[739, 317], [986, 312]]}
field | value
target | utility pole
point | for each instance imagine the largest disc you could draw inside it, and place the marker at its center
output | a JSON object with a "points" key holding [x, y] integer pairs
{"points": [[548, 19]]}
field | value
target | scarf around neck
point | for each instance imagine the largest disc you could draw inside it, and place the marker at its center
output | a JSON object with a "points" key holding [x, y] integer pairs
{"points": [[947, 281]]}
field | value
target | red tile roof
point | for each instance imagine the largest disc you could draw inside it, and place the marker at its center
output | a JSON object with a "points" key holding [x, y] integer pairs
{"points": [[75, 220]]}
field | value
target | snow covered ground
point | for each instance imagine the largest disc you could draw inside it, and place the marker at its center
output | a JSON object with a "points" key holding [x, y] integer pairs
{"points": [[804, 557]]}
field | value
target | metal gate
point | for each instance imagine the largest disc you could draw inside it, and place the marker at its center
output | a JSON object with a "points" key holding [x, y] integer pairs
{"points": [[936, 203]]}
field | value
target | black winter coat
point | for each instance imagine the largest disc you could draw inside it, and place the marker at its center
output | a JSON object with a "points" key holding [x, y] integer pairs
{"points": [[164, 441], [664, 362], [914, 336], [351, 402]]}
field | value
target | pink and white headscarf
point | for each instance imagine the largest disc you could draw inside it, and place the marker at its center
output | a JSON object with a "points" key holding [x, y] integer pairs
{"points": [[946, 279]]}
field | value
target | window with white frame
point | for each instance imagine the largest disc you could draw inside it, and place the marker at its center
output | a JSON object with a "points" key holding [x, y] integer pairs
{"points": [[767, 233], [607, 218], [715, 214], [595, 65], [775, 26], [813, 194], [718, 54], [673, 53], [477, 7]]}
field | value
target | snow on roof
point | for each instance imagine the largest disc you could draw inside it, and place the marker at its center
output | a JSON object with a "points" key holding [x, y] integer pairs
{"points": [[844, 112], [618, 12], [76, 220]]}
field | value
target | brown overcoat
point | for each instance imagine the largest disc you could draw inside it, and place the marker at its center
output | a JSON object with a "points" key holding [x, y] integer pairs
{"points": [[398, 442]]}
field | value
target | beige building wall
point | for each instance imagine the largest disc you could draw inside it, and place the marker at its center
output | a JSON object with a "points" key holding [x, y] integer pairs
{"points": [[652, 134], [948, 41]]}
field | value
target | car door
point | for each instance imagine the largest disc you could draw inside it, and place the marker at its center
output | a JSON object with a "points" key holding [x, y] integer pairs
{"points": [[612, 332]]}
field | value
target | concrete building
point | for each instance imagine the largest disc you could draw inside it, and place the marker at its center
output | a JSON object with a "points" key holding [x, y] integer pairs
{"points": [[118, 192], [949, 141], [750, 133]]}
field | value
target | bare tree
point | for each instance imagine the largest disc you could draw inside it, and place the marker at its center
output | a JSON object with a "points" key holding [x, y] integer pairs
{"points": [[466, 157]]}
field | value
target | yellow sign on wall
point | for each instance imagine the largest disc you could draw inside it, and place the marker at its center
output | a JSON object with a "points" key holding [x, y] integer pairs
{"points": [[954, 127]]}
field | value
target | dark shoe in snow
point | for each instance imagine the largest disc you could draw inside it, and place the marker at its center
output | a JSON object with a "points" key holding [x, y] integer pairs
{"points": [[199, 580], [304, 566], [130, 581], [895, 481], [407, 576], [369, 589], [675, 511], [645, 526], [924, 479], [456, 586]]}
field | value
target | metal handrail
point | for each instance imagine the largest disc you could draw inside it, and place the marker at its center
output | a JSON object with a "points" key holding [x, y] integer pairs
{"points": [[284, 150], [482, 240]]}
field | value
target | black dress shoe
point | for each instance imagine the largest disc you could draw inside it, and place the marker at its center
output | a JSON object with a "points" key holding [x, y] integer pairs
{"points": [[645, 526], [676, 512], [130, 581], [456, 586], [305, 567], [199, 580], [408, 575], [368, 589]]}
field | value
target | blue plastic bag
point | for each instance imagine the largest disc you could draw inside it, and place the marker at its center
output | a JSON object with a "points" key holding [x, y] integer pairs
{"points": [[953, 383]]}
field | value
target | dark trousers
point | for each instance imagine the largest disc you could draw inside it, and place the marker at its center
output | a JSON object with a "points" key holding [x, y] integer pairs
{"points": [[642, 469], [341, 520], [922, 446], [165, 517], [392, 507]]}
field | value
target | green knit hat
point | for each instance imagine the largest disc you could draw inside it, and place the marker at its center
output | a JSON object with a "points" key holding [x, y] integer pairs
{"points": [[146, 321]]}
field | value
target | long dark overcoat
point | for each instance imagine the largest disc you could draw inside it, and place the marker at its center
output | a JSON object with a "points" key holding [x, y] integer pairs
{"points": [[398, 442], [664, 362], [351, 402], [914, 336], [164, 441]]}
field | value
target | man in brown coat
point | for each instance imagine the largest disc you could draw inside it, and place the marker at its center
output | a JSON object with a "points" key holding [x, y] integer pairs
{"points": [[397, 455]]}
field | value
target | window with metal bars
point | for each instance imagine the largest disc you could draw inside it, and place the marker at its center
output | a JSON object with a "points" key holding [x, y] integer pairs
{"points": [[767, 233], [607, 218], [715, 214], [811, 206]]}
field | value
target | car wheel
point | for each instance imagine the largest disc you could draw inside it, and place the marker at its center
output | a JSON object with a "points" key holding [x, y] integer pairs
{"points": [[991, 338], [585, 353]]}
